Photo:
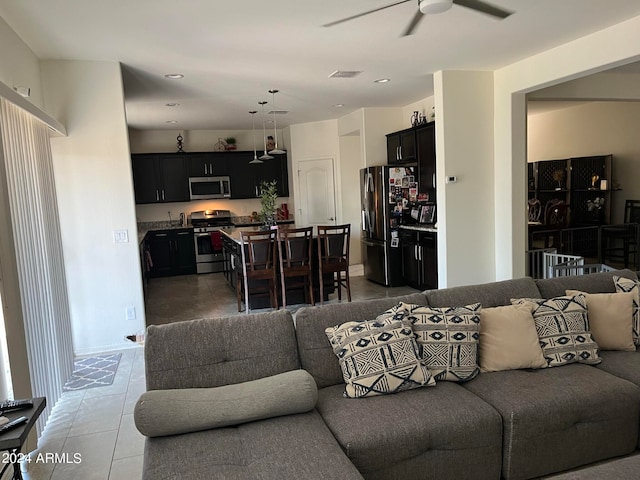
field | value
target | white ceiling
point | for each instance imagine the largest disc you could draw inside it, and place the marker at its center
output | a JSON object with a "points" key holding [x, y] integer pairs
{"points": [[233, 52]]}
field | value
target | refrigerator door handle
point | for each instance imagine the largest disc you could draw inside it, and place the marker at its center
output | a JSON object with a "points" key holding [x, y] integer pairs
{"points": [[364, 219]]}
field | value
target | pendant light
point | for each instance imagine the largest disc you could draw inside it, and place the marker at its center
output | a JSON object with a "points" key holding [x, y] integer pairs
{"points": [[264, 134], [253, 134], [276, 150]]}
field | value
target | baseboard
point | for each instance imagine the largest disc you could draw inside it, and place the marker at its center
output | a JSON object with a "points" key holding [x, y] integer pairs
{"points": [[356, 270], [125, 345]]}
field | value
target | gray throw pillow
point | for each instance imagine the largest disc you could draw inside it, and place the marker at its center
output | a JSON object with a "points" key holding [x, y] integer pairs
{"points": [[171, 412]]}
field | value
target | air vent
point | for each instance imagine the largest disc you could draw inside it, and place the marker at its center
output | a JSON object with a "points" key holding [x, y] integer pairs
{"points": [[345, 73], [278, 112]]}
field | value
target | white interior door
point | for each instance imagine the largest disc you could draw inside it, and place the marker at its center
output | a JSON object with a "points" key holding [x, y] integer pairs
{"points": [[317, 192]]}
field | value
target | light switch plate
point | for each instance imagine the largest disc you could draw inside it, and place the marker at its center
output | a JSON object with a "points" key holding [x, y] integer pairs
{"points": [[120, 236]]}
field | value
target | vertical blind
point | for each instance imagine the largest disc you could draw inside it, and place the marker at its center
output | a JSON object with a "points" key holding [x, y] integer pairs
{"points": [[39, 256]]}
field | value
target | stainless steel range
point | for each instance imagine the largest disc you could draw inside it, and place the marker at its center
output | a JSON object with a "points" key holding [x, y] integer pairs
{"points": [[206, 227]]}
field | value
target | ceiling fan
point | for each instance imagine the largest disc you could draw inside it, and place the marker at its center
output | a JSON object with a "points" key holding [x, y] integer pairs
{"points": [[433, 6]]}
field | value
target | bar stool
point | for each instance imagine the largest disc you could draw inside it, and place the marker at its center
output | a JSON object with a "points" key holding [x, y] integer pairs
{"points": [[258, 274], [294, 255], [333, 257]]}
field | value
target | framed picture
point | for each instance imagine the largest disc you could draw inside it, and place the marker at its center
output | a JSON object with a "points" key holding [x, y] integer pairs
{"points": [[427, 213]]}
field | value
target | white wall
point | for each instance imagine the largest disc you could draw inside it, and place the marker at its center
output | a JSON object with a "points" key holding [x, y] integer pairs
{"points": [[597, 128], [18, 64], [95, 197], [350, 179], [604, 49], [311, 141], [378, 122], [464, 149]]}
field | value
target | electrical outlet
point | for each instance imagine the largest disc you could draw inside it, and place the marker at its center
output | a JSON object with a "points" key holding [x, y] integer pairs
{"points": [[131, 313]]}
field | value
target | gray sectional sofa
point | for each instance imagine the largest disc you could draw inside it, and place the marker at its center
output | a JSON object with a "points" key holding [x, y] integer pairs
{"points": [[516, 424]]}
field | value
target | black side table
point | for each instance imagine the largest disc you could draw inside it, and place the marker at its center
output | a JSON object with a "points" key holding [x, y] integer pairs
{"points": [[13, 440]]}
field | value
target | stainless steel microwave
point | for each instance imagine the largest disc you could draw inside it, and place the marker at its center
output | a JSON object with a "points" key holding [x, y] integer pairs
{"points": [[203, 188]]}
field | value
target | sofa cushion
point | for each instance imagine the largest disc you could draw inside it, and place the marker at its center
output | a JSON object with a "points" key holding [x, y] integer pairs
{"points": [[220, 351], [627, 285], [316, 354], [488, 295], [555, 419], [622, 364], [378, 357], [447, 337], [441, 432], [610, 319], [508, 340], [563, 329], [295, 446], [592, 283], [163, 412], [625, 468]]}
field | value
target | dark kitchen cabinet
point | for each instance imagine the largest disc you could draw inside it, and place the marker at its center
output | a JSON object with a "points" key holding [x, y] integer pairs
{"points": [[416, 146], [419, 258], [160, 178], [426, 152], [246, 177], [401, 147], [172, 252], [208, 164]]}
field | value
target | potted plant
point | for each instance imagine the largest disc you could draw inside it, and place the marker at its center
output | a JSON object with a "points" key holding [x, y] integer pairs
{"points": [[231, 143], [268, 198]]}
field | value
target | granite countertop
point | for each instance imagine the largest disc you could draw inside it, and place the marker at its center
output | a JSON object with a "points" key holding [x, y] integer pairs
{"points": [[427, 227], [144, 227], [245, 221], [234, 232]]}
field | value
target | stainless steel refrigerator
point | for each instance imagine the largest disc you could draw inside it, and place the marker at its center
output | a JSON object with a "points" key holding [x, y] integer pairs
{"points": [[384, 192]]}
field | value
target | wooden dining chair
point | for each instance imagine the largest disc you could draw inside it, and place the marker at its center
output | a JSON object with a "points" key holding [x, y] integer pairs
{"points": [[294, 256], [333, 257], [258, 267]]}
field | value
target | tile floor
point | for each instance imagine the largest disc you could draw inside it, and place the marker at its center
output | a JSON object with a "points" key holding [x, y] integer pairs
{"points": [[98, 423]]}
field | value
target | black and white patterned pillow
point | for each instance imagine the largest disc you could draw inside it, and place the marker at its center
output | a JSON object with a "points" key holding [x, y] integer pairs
{"points": [[562, 325], [626, 285], [447, 337], [378, 357]]}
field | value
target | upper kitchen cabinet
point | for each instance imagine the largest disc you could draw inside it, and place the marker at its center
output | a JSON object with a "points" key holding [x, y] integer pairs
{"points": [[426, 152], [246, 177], [208, 164], [401, 147], [160, 177]]}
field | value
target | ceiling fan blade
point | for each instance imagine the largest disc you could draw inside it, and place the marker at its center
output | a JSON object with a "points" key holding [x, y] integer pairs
{"points": [[353, 17], [417, 18], [483, 7]]}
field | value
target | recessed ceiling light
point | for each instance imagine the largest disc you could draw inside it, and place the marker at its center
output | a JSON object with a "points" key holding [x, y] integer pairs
{"points": [[171, 104], [382, 80], [174, 76], [339, 105], [172, 121]]}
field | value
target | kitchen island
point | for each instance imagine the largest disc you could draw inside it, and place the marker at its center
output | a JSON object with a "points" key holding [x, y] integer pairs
{"points": [[232, 244]]}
